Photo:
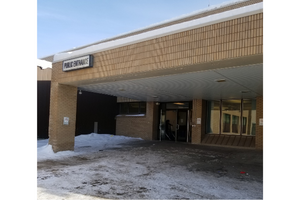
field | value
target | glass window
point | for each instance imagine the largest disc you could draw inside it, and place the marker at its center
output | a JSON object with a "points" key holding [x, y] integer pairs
{"points": [[226, 123], [142, 107], [249, 117], [133, 108], [235, 124], [213, 117], [123, 108], [130, 108], [234, 121], [231, 110]]}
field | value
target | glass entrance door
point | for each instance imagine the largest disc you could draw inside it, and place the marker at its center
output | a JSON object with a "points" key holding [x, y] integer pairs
{"points": [[175, 121], [182, 125]]}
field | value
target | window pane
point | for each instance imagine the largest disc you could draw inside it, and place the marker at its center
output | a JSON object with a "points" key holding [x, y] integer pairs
{"points": [[231, 110], [123, 108], [235, 124], [133, 108], [213, 117], [249, 117], [142, 108], [226, 123]]}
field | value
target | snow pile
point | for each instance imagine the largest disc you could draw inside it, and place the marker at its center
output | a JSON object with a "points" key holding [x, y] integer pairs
{"points": [[44, 64], [83, 144]]}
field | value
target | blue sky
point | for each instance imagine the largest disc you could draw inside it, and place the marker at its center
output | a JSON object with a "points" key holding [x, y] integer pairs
{"points": [[64, 24]]}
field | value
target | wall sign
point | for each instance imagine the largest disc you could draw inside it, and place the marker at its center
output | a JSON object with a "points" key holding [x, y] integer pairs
{"points": [[261, 121], [66, 121], [78, 63], [198, 120]]}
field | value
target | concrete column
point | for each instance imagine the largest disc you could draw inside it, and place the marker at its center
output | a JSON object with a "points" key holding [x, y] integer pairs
{"points": [[197, 128], [259, 128], [63, 100]]}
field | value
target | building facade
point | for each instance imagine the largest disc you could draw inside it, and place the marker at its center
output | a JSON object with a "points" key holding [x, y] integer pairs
{"points": [[94, 112], [195, 79]]}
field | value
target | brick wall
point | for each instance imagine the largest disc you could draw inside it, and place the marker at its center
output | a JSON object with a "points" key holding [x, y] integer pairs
{"points": [[63, 101], [231, 39], [259, 129], [197, 129], [136, 126]]}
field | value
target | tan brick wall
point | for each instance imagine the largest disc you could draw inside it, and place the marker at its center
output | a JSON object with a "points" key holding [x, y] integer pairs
{"points": [[135, 126], [63, 101], [259, 129], [235, 38], [197, 130]]}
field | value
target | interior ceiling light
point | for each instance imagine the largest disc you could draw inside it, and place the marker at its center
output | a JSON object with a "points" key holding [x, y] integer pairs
{"points": [[220, 80], [121, 89], [179, 103]]}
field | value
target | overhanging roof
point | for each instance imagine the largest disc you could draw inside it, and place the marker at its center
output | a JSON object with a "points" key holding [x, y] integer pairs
{"points": [[176, 28]]}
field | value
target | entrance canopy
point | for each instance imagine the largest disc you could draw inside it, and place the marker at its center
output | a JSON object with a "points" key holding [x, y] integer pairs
{"points": [[222, 83]]}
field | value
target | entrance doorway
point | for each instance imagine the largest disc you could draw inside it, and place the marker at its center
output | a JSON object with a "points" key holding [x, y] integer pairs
{"points": [[175, 122]]}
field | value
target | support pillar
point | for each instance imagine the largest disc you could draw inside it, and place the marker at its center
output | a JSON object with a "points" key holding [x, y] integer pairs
{"points": [[259, 127], [63, 99], [197, 117]]}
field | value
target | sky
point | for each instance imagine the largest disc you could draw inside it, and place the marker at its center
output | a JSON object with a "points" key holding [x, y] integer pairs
{"points": [[63, 25]]}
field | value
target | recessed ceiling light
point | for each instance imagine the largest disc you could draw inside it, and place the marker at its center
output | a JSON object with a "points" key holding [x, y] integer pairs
{"points": [[154, 96], [220, 80], [245, 91]]}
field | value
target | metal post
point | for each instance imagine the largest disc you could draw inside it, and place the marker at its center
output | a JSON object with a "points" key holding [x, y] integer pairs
{"points": [[220, 121], [188, 126], [241, 116]]}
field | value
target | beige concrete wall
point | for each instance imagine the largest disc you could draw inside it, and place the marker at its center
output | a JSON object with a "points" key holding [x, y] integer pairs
{"points": [[44, 74]]}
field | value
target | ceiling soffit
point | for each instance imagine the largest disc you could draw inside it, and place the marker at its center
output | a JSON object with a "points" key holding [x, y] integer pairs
{"points": [[244, 81]]}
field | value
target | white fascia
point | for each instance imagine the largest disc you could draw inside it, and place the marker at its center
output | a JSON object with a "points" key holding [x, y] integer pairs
{"points": [[176, 28]]}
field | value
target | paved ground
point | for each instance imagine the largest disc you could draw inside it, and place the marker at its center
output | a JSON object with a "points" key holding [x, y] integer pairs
{"points": [[155, 170]]}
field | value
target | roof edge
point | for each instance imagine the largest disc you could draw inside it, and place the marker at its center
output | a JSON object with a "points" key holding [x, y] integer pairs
{"points": [[176, 28]]}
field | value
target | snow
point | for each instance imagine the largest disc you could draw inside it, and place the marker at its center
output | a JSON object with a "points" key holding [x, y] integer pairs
{"points": [[83, 144], [176, 28], [44, 64], [143, 171]]}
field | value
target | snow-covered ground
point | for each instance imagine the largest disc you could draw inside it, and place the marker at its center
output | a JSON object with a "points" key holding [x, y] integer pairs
{"points": [[118, 167], [83, 144]]}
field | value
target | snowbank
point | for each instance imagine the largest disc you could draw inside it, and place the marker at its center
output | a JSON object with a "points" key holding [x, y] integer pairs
{"points": [[83, 144]]}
